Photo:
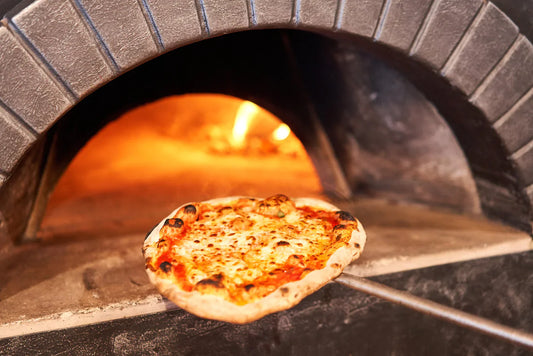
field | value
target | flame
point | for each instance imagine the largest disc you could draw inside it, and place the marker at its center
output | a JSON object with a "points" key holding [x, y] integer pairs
{"points": [[246, 112], [281, 132]]}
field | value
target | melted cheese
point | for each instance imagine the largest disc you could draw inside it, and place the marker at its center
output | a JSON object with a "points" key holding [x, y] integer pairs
{"points": [[243, 251]]}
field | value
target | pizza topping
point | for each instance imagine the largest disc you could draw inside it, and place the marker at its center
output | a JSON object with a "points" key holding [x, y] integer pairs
{"points": [[244, 249]]}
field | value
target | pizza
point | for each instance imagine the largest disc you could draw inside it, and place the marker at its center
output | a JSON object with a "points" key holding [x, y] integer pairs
{"points": [[237, 259]]}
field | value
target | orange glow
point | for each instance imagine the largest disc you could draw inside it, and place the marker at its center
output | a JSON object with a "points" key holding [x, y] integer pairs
{"points": [[178, 149]]}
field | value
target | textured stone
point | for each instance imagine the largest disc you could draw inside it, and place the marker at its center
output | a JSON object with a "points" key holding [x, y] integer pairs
{"points": [[25, 88], [177, 21], [57, 31], [123, 28], [516, 128], [446, 24], [272, 12], [226, 16], [485, 43], [530, 195], [402, 22], [15, 140], [525, 163], [507, 82], [361, 16], [318, 13]]}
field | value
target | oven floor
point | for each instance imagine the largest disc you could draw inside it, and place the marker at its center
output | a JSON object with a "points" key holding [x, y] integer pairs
{"points": [[59, 283], [335, 320]]}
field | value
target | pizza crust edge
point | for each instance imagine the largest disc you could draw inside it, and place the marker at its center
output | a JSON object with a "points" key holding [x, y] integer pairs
{"points": [[284, 297]]}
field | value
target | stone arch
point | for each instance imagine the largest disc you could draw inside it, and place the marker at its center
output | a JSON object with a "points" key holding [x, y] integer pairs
{"points": [[53, 53]]}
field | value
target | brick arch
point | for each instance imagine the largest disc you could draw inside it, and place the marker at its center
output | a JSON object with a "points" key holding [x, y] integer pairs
{"points": [[53, 53]]}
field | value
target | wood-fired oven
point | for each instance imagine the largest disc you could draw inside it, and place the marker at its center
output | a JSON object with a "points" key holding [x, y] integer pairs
{"points": [[415, 115]]}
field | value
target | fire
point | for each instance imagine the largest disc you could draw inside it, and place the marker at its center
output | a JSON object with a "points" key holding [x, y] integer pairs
{"points": [[245, 114], [281, 132]]}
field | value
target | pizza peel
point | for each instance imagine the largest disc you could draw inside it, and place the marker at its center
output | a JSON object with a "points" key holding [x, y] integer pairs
{"points": [[437, 310]]}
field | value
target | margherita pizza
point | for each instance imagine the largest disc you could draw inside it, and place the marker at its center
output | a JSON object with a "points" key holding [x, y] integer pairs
{"points": [[238, 259]]}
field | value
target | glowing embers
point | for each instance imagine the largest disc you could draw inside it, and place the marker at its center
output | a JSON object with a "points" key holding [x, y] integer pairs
{"points": [[178, 149]]}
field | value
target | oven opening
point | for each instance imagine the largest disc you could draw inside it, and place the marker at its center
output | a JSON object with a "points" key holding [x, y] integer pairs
{"points": [[301, 114], [175, 150]]}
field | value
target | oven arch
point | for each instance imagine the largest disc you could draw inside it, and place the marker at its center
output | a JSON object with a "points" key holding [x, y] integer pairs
{"points": [[467, 57]]}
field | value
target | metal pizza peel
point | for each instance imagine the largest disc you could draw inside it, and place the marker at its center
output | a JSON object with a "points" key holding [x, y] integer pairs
{"points": [[437, 310]]}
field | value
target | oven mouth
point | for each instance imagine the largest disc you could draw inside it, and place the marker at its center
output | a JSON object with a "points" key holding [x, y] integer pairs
{"points": [[423, 235]]}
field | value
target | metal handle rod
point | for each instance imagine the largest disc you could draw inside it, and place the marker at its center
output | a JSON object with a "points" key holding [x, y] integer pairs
{"points": [[437, 310]]}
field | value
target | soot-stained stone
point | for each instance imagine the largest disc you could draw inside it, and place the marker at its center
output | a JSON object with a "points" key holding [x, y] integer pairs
{"points": [[445, 27], [484, 44], [174, 223], [343, 215], [165, 267], [508, 82], [516, 129], [57, 31]]}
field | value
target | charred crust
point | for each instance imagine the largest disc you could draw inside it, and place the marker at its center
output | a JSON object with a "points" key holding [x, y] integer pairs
{"points": [[336, 265], [165, 266], [338, 237], [189, 209], [283, 243], [176, 223], [356, 245], [339, 227], [217, 277], [210, 282], [248, 287], [284, 290], [343, 215]]}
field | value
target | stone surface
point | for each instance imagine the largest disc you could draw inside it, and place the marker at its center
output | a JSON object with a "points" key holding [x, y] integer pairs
{"points": [[15, 141], [507, 82], [226, 16], [57, 31], [318, 13], [402, 22], [525, 163], [361, 16], [26, 88], [333, 321], [484, 44], [123, 28], [530, 195], [516, 127], [177, 21], [273, 12], [447, 22]]}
